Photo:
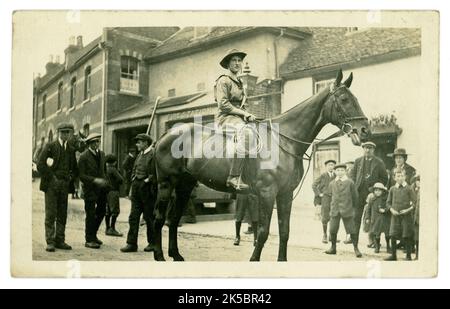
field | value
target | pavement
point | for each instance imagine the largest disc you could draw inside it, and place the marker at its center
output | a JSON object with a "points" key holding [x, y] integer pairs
{"points": [[305, 241]]}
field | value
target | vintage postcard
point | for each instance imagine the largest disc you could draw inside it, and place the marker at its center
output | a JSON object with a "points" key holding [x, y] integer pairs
{"points": [[238, 144]]}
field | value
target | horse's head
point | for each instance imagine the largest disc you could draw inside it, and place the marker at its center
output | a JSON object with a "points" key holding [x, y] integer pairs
{"points": [[77, 142], [342, 109]]}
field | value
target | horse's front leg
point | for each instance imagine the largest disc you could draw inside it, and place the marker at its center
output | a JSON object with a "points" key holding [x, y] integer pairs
{"points": [[266, 197], [284, 205], [182, 197], [164, 194]]}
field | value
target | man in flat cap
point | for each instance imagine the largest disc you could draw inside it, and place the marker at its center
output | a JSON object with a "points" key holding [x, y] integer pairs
{"points": [[143, 194], [57, 165], [366, 171], [95, 188]]}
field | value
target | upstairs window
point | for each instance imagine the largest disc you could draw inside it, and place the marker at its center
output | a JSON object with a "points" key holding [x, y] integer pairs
{"points": [[60, 95], [87, 83], [44, 102], [319, 85], [73, 91], [129, 74]]}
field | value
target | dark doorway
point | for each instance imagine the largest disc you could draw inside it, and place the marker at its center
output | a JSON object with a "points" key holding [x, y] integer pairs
{"points": [[386, 144]]}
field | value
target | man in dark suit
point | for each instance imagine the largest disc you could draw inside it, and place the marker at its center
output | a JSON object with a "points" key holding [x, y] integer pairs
{"points": [[142, 194], [95, 187], [319, 186], [57, 166], [367, 171]]}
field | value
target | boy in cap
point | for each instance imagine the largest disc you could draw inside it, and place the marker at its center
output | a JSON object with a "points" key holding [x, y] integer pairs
{"points": [[378, 215], [321, 200], [142, 194], [95, 188], [115, 179], [58, 166], [400, 202], [344, 199]]}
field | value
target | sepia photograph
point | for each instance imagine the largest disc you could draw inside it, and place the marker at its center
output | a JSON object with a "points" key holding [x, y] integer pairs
{"points": [[215, 141]]}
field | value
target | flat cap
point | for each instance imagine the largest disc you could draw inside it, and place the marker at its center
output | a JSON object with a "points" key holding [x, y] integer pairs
{"points": [[330, 161], [143, 137], [369, 144], [340, 165], [65, 126]]}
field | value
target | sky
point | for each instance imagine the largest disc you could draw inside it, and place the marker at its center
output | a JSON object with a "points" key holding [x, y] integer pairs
{"points": [[54, 30]]}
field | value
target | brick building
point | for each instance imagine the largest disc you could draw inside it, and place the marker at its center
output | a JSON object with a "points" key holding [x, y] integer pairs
{"points": [[95, 82]]}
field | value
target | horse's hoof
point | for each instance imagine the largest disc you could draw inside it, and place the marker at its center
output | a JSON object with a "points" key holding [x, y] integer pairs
{"points": [[282, 260], [159, 256], [177, 257], [253, 259]]}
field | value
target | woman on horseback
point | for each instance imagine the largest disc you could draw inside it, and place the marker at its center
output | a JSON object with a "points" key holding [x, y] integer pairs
{"points": [[230, 97]]}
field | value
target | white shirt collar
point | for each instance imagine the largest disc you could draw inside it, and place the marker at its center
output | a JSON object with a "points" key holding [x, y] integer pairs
{"points": [[343, 178], [93, 151], [62, 143], [147, 150], [404, 184]]}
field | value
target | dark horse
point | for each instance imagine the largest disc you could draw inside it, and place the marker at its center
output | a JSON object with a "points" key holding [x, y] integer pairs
{"points": [[296, 128]]}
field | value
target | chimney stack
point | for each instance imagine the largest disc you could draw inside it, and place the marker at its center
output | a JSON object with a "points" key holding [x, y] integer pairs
{"points": [[57, 59], [71, 40], [50, 59], [80, 41]]}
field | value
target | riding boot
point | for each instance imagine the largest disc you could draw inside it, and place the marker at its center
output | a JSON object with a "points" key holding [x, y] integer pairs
{"points": [[255, 232], [355, 245], [393, 256], [324, 228], [234, 179], [237, 240], [408, 246], [377, 245], [332, 250]]}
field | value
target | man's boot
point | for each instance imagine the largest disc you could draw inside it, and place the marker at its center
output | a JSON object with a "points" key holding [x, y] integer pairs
{"points": [[388, 244], [408, 246], [377, 245], [129, 248], [237, 240], [355, 245], [393, 256], [113, 231], [332, 250]]}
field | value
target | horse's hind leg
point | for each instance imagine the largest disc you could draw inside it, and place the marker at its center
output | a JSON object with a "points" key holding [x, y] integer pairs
{"points": [[183, 193], [284, 205], [164, 194], [266, 199]]}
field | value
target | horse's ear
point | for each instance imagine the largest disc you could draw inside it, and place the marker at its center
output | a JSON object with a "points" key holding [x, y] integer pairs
{"points": [[348, 81], [338, 78]]}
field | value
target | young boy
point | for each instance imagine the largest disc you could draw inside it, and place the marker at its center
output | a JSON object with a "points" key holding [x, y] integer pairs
{"points": [[377, 215], [344, 198], [115, 179], [416, 187], [401, 202], [319, 187]]}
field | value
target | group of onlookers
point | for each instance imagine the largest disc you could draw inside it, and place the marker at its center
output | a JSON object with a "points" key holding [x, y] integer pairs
{"points": [[364, 191]]}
